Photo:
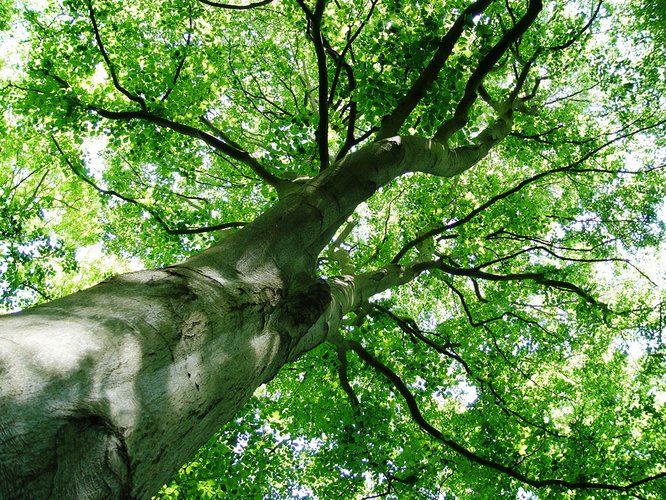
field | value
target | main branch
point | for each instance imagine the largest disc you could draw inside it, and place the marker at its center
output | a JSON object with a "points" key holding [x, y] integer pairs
{"points": [[392, 122], [488, 62]]}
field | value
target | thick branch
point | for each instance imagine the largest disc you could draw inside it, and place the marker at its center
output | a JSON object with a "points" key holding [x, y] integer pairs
{"points": [[314, 28], [355, 291], [351, 82], [344, 381], [459, 118], [392, 122]]}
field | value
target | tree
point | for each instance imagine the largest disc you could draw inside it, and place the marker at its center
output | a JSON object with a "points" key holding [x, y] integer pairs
{"points": [[429, 209]]}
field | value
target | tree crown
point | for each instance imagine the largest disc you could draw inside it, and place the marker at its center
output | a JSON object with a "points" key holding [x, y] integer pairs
{"points": [[140, 134]]}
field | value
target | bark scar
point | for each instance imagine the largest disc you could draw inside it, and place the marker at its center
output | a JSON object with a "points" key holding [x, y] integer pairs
{"points": [[295, 315]]}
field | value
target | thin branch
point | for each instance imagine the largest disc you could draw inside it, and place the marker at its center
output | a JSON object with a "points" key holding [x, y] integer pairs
{"points": [[409, 326], [149, 209], [537, 277], [569, 96], [350, 140], [569, 168], [447, 350], [510, 11], [228, 147], [426, 427], [35, 289], [565, 258], [340, 63], [510, 235], [236, 7], [219, 132], [181, 128], [112, 70], [253, 98], [522, 77], [483, 93], [365, 135], [179, 68], [580, 32], [484, 322], [352, 105], [262, 95]]}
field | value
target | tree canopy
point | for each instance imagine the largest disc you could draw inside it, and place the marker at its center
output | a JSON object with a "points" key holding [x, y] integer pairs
{"points": [[526, 359]]}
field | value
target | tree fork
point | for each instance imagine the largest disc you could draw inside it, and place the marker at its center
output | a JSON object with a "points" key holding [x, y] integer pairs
{"points": [[118, 384], [143, 368]]}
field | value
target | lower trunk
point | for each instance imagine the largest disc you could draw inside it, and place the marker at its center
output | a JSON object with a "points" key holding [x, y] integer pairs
{"points": [[106, 392]]}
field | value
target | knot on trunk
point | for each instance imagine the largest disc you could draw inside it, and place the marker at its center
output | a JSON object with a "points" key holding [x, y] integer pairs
{"points": [[91, 460], [304, 308], [295, 314]]}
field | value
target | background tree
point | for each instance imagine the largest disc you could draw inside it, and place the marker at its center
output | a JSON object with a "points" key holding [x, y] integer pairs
{"points": [[481, 332]]}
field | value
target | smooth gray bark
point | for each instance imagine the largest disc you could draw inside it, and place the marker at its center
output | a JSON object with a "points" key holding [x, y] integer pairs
{"points": [[106, 392]]}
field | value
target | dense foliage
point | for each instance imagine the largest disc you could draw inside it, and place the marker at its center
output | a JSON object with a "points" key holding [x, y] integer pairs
{"points": [[539, 343]]}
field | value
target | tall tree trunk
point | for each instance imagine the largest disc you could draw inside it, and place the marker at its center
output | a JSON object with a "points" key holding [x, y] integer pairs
{"points": [[106, 392]]}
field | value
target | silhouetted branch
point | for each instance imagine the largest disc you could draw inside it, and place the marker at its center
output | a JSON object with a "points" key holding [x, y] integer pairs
{"points": [[580, 32], [409, 327], [112, 70], [392, 122], [35, 289], [149, 209], [540, 278], [188, 130], [562, 257], [231, 6], [344, 381], [569, 96], [314, 30], [181, 63], [426, 427]]}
